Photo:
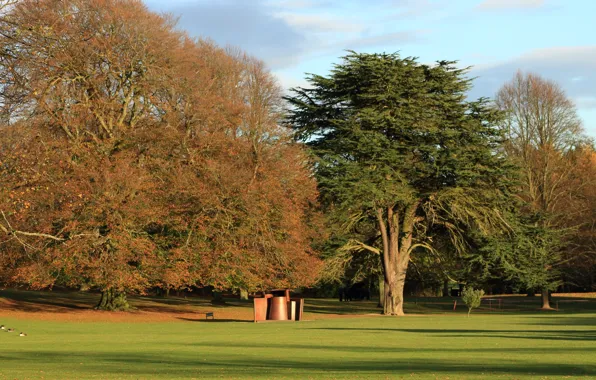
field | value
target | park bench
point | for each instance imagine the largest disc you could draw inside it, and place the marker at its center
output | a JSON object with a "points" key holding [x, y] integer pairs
{"points": [[209, 314]]}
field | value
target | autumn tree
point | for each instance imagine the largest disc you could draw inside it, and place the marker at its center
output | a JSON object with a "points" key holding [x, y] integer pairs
{"points": [[397, 143], [135, 157], [578, 259], [543, 131], [252, 212]]}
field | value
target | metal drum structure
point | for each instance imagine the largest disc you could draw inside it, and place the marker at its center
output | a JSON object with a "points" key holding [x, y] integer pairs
{"points": [[277, 305]]}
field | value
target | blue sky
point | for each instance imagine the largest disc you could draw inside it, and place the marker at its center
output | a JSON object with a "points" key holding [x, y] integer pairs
{"points": [[553, 38]]}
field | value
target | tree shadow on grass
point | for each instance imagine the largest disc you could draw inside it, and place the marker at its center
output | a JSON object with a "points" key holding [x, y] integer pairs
{"points": [[241, 364], [68, 301], [204, 320], [34, 301], [572, 335], [395, 350], [564, 321], [333, 306]]}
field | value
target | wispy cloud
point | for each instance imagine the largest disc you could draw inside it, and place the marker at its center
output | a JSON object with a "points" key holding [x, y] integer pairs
{"points": [[587, 103], [488, 5], [397, 38], [572, 67], [297, 4], [404, 9], [250, 25], [320, 23]]}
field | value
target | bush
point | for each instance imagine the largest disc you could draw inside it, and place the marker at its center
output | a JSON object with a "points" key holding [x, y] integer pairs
{"points": [[472, 298]]}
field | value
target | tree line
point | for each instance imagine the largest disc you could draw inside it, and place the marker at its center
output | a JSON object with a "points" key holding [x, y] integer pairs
{"points": [[133, 156]]}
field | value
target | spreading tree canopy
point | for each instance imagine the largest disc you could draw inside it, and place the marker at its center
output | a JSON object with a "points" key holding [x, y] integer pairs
{"points": [[397, 142], [134, 156]]}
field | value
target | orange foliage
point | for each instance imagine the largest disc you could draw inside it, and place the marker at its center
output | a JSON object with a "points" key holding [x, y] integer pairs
{"points": [[138, 157]]}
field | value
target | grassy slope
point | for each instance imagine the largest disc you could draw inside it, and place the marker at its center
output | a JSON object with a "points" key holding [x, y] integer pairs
{"points": [[446, 346]]}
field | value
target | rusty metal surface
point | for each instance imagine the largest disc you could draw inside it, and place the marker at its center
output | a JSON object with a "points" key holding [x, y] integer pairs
{"points": [[278, 306], [278, 310], [260, 309]]}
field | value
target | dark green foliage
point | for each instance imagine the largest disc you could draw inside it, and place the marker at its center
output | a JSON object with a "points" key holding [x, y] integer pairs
{"points": [[396, 128], [526, 255], [112, 300], [399, 150]]}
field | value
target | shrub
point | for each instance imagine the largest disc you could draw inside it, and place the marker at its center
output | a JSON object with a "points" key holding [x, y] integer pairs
{"points": [[472, 297]]}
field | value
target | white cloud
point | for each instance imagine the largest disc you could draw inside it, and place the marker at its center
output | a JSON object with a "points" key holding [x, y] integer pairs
{"points": [[586, 103], [406, 9], [294, 4], [320, 23], [249, 25], [397, 39], [290, 81], [510, 4], [572, 67]]}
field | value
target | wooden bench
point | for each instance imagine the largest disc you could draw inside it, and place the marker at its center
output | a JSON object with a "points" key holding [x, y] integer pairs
{"points": [[209, 314]]}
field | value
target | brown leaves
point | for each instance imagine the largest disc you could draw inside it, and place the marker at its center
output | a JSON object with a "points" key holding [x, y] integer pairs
{"points": [[154, 159]]}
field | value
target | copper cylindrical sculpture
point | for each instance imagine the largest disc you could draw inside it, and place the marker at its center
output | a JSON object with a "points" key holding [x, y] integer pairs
{"points": [[260, 309], [279, 309]]}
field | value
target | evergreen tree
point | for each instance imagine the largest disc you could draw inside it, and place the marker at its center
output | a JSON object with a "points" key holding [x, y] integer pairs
{"points": [[397, 143], [527, 255]]}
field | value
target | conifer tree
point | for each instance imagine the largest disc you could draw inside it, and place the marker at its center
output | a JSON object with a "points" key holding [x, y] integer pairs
{"points": [[398, 144]]}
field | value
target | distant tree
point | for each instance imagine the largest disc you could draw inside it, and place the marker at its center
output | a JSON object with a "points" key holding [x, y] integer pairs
{"points": [[523, 255], [542, 130], [472, 298], [578, 264], [398, 145]]}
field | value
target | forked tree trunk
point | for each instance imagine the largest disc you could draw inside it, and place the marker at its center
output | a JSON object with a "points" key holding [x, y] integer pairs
{"points": [[545, 300], [396, 255], [112, 300]]}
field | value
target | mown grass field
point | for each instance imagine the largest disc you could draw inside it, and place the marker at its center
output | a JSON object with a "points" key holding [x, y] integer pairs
{"points": [[169, 339]]}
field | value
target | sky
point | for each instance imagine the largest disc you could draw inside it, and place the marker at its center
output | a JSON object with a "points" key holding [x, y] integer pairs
{"points": [[553, 38]]}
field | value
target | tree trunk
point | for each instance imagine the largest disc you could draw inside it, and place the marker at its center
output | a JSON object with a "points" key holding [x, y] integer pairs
{"points": [[545, 300], [445, 288], [243, 294], [396, 255], [218, 298], [390, 301], [394, 291], [112, 300], [381, 291]]}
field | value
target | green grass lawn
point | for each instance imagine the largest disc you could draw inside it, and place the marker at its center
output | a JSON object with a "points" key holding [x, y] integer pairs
{"points": [[529, 345]]}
